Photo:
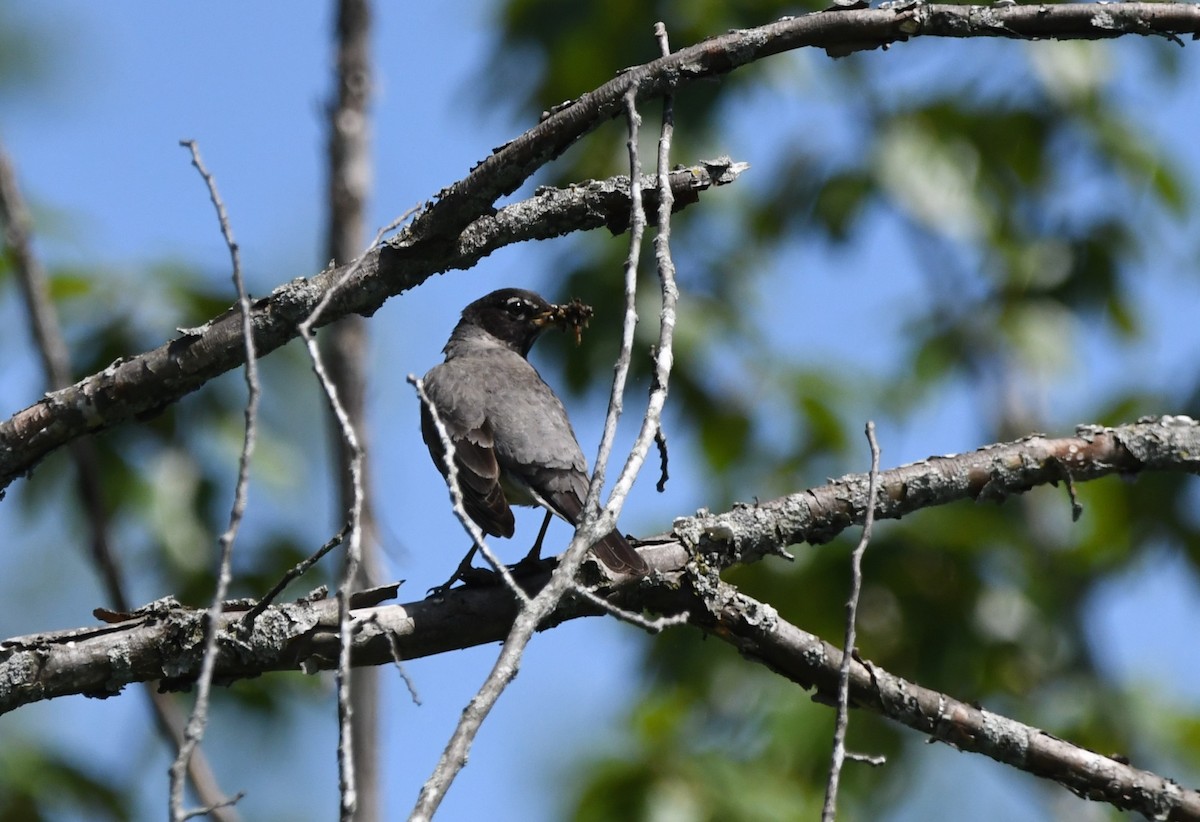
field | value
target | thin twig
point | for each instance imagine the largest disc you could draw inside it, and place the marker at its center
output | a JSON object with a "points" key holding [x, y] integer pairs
{"points": [[345, 749], [398, 660], [199, 717], [637, 228], [295, 572], [56, 365], [591, 528], [654, 626], [829, 811], [651, 423], [346, 778], [664, 349]]}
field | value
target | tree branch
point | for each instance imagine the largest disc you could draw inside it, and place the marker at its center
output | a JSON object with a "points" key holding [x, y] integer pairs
{"points": [[441, 237], [991, 473], [839, 32], [144, 385], [757, 631], [161, 640]]}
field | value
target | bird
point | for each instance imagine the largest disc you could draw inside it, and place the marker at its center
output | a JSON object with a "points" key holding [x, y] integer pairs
{"points": [[513, 443]]}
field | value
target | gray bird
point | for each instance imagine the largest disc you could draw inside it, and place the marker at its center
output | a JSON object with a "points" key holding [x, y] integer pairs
{"points": [[513, 443]]}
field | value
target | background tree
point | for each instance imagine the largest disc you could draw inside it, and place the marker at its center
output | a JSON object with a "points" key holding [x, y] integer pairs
{"points": [[963, 254]]}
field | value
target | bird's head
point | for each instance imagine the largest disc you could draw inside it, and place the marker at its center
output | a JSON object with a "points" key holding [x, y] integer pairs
{"points": [[516, 317]]}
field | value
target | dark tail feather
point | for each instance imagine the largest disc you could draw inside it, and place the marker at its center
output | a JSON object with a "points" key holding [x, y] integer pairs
{"points": [[619, 555]]}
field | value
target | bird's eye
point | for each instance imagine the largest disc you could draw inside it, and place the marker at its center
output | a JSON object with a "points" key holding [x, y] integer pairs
{"points": [[517, 306]]}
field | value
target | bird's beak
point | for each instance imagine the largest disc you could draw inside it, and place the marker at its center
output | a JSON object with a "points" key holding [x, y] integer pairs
{"points": [[551, 316]]}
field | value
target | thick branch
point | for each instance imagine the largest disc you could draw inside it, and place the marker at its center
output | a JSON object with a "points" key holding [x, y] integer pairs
{"points": [[145, 384], [163, 640]]}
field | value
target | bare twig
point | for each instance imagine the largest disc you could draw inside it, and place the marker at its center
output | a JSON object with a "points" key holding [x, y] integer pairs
{"points": [[654, 625], [346, 777], [345, 750], [215, 808], [637, 228], [398, 661], [829, 810], [664, 349], [199, 717], [590, 529], [292, 574], [52, 346]]}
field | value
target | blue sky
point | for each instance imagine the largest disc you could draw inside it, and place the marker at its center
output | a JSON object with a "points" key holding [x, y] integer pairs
{"points": [[96, 146]]}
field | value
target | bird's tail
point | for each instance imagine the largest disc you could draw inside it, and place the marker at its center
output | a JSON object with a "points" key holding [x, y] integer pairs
{"points": [[615, 552]]}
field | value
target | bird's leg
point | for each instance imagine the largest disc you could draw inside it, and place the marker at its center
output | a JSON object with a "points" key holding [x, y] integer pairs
{"points": [[535, 553], [533, 561], [465, 571]]}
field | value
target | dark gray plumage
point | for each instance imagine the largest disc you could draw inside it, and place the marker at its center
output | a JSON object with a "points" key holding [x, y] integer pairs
{"points": [[513, 442]]}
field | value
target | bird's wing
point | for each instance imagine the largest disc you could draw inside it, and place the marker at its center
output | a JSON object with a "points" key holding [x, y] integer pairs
{"points": [[537, 448], [477, 470]]}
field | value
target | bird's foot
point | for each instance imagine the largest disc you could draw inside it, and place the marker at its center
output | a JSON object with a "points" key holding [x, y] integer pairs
{"points": [[470, 577]]}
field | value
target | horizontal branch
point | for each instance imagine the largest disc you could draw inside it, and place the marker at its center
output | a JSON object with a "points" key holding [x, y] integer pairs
{"points": [[164, 641], [143, 385]]}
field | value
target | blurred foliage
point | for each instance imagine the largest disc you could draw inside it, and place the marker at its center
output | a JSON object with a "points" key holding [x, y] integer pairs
{"points": [[1007, 171], [37, 785]]}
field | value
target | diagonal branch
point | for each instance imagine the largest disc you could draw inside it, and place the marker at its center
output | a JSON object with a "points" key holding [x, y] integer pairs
{"points": [[992, 473], [839, 32], [758, 632], [438, 239], [143, 385]]}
